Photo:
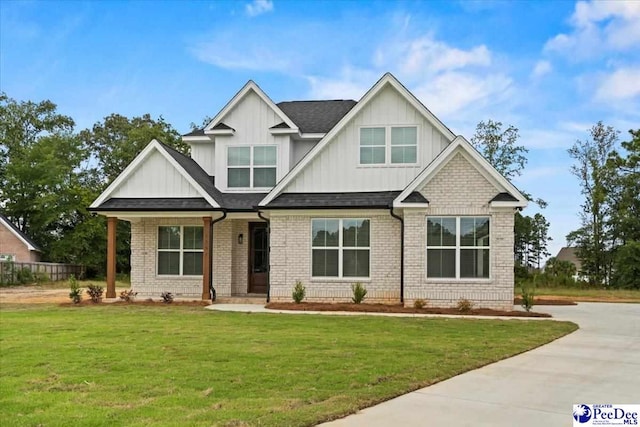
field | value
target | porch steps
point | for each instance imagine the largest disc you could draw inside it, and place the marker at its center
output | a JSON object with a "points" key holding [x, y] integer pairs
{"points": [[257, 299]]}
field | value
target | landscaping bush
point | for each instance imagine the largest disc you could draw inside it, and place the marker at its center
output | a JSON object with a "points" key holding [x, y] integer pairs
{"points": [[299, 292], [464, 305], [420, 303], [95, 292], [76, 292], [527, 294], [359, 292], [167, 297], [24, 276], [128, 295]]}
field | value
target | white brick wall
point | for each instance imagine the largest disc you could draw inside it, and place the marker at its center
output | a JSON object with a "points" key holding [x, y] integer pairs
{"points": [[291, 260], [459, 189]]}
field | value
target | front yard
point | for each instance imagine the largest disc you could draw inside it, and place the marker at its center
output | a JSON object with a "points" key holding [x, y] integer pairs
{"points": [[180, 365]]}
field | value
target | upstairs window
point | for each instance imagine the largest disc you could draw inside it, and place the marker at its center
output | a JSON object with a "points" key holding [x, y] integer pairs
{"points": [[251, 166], [391, 145]]}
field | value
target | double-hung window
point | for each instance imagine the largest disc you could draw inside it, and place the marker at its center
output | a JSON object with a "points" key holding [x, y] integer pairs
{"points": [[340, 247], [390, 145], [251, 166], [458, 247], [180, 250]]}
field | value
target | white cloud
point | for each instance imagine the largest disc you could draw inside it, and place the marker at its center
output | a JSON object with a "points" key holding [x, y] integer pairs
{"points": [[623, 83], [427, 53], [599, 27], [258, 7], [250, 58], [542, 67]]}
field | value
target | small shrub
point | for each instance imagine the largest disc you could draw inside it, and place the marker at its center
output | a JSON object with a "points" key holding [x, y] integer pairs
{"points": [[420, 303], [359, 292], [41, 277], [167, 297], [528, 295], [299, 292], [76, 292], [24, 276], [464, 305], [128, 295], [95, 292]]}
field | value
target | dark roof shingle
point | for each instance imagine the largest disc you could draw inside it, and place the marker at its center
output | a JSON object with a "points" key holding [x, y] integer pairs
{"points": [[316, 116], [369, 199]]}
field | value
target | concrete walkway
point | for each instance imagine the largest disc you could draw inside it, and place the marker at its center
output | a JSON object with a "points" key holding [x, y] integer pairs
{"points": [[600, 363]]}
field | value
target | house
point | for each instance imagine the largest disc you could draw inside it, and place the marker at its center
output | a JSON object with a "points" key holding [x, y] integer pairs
{"points": [[329, 193], [15, 245], [570, 254]]}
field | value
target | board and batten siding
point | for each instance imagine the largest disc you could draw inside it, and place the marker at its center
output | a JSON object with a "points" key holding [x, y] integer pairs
{"points": [[251, 119], [155, 177], [204, 154], [337, 168]]}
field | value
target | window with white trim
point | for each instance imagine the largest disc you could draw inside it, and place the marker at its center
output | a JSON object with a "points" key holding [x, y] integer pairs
{"points": [[458, 247], [340, 247], [180, 250], [388, 145], [251, 166]]}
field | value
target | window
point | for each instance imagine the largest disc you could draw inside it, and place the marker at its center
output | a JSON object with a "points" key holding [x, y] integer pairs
{"points": [[403, 147], [180, 251], [458, 247], [253, 167], [340, 247]]}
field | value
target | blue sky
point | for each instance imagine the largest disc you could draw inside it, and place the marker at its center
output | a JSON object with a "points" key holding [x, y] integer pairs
{"points": [[552, 69]]}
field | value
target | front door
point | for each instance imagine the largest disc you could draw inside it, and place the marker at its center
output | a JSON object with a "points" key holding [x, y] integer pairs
{"points": [[258, 258]]}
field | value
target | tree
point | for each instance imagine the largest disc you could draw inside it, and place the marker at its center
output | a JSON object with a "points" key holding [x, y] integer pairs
{"points": [[116, 140], [590, 167], [539, 239]]}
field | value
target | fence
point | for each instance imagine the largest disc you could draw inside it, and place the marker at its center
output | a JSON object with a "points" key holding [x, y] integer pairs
{"points": [[29, 272]]}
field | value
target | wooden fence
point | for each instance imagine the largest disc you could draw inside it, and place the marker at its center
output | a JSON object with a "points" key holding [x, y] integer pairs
{"points": [[29, 272]]}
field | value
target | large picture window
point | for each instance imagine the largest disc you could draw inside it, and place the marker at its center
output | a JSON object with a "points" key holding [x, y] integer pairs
{"points": [[251, 166], [340, 247], [390, 145], [458, 247], [180, 250]]}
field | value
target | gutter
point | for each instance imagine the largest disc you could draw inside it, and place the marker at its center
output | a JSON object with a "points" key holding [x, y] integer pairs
{"points": [[399, 218], [212, 291], [268, 254]]}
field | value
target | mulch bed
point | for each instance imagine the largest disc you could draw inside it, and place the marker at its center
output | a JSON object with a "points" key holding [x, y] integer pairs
{"points": [[546, 301], [141, 302], [388, 308]]}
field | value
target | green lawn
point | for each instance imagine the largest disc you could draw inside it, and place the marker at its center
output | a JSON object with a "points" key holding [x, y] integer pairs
{"points": [[133, 365], [604, 295]]}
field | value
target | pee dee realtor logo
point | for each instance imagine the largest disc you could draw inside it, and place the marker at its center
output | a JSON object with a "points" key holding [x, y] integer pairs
{"points": [[605, 415]]}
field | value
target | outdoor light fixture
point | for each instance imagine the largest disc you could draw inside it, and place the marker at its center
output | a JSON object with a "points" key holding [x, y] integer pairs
{"points": [[240, 238]]}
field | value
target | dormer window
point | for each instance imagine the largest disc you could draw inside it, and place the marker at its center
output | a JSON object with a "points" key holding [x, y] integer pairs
{"points": [[251, 166], [390, 145]]}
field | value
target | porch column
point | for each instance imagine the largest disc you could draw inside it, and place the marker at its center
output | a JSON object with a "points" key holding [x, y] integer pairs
{"points": [[206, 257], [112, 224]]}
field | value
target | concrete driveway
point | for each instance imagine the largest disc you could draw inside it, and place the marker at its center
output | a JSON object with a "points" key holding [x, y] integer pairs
{"points": [[599, 363]]}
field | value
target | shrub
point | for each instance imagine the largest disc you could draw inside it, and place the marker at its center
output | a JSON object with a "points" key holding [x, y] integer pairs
{"points": [[528, 294], [76, 292], [167, 297], [24, 276], [299, 292], [128, 295], [464, 305], [41, 277], [420, 303], [359, 292], [95, 292]]}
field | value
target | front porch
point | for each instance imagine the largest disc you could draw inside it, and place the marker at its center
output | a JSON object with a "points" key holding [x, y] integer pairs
{"points": [[186, 255]]}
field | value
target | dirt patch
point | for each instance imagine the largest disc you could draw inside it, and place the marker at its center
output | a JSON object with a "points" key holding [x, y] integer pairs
{"points": [[546, 301], [194, 303], [37, 295], [387, 308]]}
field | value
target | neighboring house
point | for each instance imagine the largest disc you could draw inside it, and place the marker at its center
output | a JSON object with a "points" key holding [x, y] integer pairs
{"points": [[571, 255], [329, 193], [15, 245]]}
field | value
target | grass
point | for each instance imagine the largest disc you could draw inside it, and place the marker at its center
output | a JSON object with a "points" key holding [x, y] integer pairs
{"points": [[596, 295], [134, 365]]}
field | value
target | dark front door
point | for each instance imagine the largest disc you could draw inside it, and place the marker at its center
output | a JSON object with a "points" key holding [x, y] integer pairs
{"points": [[258, 257]]}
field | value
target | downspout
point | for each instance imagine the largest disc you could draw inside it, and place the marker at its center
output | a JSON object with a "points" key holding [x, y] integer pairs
{"points": [[399, 218], [268, 254], [212, 291]]}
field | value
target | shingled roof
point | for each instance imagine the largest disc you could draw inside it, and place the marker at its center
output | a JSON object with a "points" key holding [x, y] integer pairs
{"points": [[367, 199], [316, 116]]}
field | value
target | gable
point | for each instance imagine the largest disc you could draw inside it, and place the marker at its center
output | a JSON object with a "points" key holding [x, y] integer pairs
{"points": [[337, 166], [11, 236], [155, 177], [459, 186]]}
